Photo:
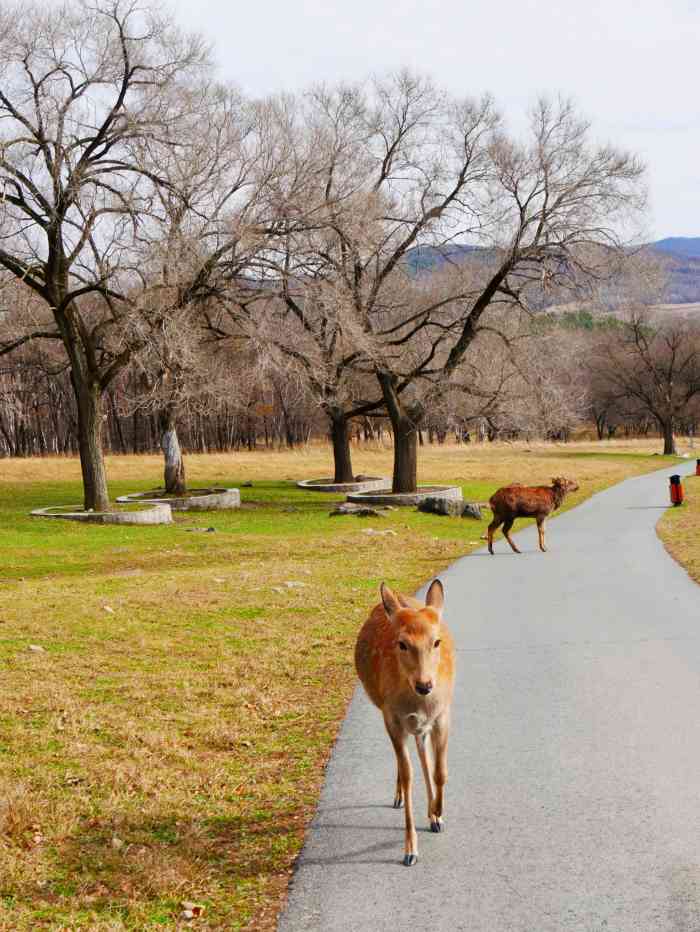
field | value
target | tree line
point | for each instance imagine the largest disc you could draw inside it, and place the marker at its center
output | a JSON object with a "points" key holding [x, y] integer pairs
{"points": [[180, 259]]}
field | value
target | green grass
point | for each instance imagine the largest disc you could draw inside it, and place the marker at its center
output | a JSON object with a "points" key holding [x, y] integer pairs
{"points": [[168, 743], [31, 548]]}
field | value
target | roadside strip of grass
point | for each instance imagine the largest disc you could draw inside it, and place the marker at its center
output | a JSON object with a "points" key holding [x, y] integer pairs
{"points": [[679, 529], [166, 741]]}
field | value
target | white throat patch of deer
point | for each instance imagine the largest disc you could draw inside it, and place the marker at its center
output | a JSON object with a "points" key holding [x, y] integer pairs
{"points": [[404, 657]]}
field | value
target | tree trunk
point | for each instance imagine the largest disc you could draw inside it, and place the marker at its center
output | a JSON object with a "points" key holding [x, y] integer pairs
{"points": [[669, 440], [600, 425], [88, 396], [404, 423], [174, 472], [405, 475], [342, 461], [118, 425]]}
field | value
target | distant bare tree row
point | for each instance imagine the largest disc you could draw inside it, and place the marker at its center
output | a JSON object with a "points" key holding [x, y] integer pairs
{"points": [[546, 380], [38, 416]]}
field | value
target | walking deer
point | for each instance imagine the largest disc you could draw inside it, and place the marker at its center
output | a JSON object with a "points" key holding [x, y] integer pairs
{"points": [[520, 501], [405, 659]]}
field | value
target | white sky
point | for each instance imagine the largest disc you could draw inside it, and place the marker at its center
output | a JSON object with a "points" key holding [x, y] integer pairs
{"points": [[632, 66]]}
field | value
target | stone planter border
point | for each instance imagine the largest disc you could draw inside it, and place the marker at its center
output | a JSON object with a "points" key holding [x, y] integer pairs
{"points": [[158, 514], [406, 498], [373, 483], [209, 500]]}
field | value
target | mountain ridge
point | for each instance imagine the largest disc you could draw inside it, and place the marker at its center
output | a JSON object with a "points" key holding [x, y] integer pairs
{"points": [[682, 254], [686, 246]]}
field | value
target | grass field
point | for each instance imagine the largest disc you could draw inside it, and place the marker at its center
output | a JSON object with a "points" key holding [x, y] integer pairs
{"points": [[166, 741], [679, 529]]}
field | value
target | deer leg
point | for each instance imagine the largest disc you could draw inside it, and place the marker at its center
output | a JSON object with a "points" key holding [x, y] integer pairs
{"points": [[492, 528], [540, 531], [507, 525], [424, 756], [398, 795], [440, 736], [403, 761]]}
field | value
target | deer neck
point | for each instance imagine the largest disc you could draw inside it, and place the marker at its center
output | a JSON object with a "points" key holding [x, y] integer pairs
{"points": [[558, 494]]}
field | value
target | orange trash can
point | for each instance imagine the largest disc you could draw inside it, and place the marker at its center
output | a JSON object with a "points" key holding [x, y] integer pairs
{"points": [[676, 490]]}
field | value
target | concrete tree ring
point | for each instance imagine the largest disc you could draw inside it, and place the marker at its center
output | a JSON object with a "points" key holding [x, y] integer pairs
{"points": [[201, 500], [371, 483], [406, 498], [158, 514]]}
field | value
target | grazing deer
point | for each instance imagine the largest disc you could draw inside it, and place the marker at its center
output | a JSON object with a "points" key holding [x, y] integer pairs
{"points": [[405, 659], [521, 501]]}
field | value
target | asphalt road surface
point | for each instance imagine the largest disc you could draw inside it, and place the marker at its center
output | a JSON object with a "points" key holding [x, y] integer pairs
{"points": [[573, 800]]}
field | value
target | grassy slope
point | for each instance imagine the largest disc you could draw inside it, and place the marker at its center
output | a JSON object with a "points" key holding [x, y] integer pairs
{"points": [[679, 529], [169, 742]]}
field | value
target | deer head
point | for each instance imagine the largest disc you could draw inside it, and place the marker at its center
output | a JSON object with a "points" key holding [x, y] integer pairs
{"points": [[417, 633]]}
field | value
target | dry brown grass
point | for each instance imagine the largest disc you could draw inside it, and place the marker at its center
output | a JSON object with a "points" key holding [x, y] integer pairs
{"points": [[502, 461], [169, 742], [679, 529]]}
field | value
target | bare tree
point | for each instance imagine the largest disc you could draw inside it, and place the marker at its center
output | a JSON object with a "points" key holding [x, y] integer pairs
{"points": [[379, 184], [80, 86], [301, 330], [177, 373], [553, 218], [654, 364], [280, 298], [402, 168], [606, 407], [196, 245]]}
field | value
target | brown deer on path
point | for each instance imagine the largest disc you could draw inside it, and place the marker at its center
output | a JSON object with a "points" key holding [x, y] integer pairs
{"points": [[521, 501], [404, 657]]}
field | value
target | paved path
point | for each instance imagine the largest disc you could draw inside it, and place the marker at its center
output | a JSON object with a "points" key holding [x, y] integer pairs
{"points": [[574, 794]]}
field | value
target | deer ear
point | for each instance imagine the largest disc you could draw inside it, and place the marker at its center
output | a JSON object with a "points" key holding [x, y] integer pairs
{"points": [[389, 600], [435, 597]]}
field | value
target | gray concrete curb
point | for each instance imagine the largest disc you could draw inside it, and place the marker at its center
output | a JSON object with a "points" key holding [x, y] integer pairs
{"points": [[214, 500], [158, 514], [406, 498], [327, 485]]}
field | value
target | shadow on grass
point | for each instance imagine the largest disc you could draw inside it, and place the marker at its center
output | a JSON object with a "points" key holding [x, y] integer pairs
{"points": [[146, 868]]}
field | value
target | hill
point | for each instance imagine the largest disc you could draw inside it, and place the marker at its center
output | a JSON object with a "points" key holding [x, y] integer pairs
{"points": [[682, 254], [426, 258], [686, 246]]}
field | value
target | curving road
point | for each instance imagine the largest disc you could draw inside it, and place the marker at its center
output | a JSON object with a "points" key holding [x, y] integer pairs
{"points": [[574, 794]]}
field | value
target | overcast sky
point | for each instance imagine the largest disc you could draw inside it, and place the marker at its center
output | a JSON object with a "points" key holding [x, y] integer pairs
{"points": [[631, 65]]}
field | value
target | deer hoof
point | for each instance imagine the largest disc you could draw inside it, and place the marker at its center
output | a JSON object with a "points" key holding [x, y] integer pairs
{"points": [[398, 802], [409, 860], [436, 825]]}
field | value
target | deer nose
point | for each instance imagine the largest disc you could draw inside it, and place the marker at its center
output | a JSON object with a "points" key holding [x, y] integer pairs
{"points": [[424, 688]]}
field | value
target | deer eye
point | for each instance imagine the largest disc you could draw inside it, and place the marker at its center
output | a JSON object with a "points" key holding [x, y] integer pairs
{"points": [[437, 643], [403, 645]]}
